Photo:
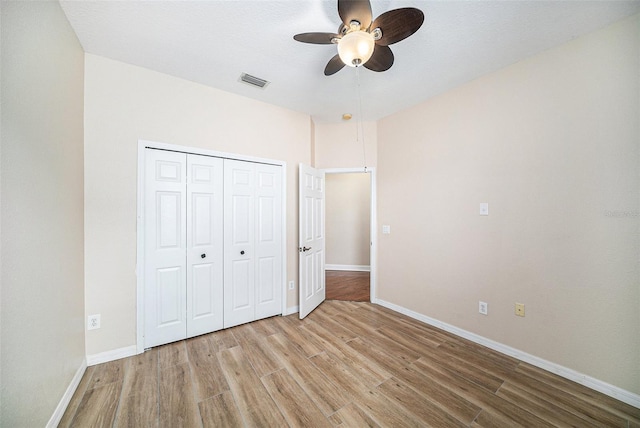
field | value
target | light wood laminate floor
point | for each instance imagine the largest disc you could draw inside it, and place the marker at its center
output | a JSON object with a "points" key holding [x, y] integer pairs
{"points": [[347, 285], [348, 364]]}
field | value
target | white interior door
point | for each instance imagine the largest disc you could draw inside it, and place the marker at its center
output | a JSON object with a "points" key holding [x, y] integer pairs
{"points": [[204, 245], [239, 289], [165, 246], [311, 239]]}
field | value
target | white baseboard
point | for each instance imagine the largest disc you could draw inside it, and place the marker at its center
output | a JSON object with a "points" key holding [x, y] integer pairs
{"points": [[567, 373], [115, 354], [358, 268], [291, 310], [66, 397]]}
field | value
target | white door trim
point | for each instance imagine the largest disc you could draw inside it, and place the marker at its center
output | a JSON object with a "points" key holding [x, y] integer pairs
{"points": [[142, 145], [373, 263]]}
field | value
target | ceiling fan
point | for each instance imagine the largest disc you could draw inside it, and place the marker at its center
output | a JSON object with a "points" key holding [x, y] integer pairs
{"points": [[362, 40]]}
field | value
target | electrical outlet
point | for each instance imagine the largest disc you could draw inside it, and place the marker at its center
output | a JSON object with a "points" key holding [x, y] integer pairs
{"points": [[483, 308], [292, 285], [520, 309], [93, 322]]}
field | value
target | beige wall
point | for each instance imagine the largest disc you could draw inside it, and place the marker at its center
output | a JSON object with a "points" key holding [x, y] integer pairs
{"points": [[42, 312], [124, 103], [552, 144], [336, 145], [348, 218]]}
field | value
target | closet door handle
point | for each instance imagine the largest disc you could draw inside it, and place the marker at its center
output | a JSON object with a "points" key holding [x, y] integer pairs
{"points": [[203, 255], [242, 252]]}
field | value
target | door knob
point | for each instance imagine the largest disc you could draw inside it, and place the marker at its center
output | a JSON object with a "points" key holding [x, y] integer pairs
{"points": [[303, 249], [242, 252], [203, 255]]}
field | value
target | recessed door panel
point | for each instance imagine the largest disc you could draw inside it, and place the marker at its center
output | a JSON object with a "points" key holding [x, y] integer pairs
{"points": [[201, 217], [170, 303], [202, 297], [267, 218], [241, 219], [266, 277], [169, 219]]}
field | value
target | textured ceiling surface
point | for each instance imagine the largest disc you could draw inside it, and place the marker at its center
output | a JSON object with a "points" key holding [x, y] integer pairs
{"points": [[213, 42]]}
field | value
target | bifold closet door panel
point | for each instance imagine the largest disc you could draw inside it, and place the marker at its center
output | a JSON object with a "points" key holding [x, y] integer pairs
{"points": [[239, 221], [165, 247], [268, 240], [204, 244]]}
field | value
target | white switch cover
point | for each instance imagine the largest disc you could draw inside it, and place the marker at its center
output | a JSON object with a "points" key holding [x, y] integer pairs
{"points": [[386, 229], [484, 208]]}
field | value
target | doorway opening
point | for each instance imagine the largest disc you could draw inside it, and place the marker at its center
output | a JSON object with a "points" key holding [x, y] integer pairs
{"points": [[348, 220]]}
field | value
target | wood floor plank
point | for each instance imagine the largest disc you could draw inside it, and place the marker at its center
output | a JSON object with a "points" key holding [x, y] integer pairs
{"points": [[294, 333], [220, 411], [177, 404], [254, 402], [206, 373], [76, 399], [347, 285], [479, 357], [331, 325], [106, 373], [352, 415], [138, 410], [265, 327], [544, 409], [423, 408], [594, 397], [466, 367], [385, 412], [98, 406], [339, 374], [296, 406], [479, 395], [456, 405], [256, 350], [172, 354], [221, 339], [139, 398], [370, 373], [326, 395], [567, 401]]}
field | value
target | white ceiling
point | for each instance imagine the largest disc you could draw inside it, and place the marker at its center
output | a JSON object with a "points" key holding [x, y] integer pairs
{"points": [[213, 42]]}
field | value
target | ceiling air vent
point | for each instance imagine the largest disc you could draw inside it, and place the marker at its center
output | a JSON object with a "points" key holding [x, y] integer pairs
{"points": [[253, 80]]}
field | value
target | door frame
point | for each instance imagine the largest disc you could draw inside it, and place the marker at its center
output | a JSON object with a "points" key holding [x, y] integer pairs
{"points": [[373, 255], [140, 267]]}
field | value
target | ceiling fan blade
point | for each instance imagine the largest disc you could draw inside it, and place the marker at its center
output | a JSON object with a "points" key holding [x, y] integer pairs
{"points": [[334, 65], [315, 38], [381, 60], [355, 10], [398, 24]]}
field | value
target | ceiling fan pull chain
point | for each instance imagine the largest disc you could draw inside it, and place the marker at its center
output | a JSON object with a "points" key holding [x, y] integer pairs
{"points": [[364, 152]]}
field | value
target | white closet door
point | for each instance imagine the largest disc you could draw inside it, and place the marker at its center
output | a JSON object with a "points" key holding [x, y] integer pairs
{"points": [[239, 289], [165, 246], [204, 245], [268, 240]]}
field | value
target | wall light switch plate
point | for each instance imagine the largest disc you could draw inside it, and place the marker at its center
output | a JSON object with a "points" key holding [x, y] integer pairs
{"points": [[484, 208], [386, 229]]}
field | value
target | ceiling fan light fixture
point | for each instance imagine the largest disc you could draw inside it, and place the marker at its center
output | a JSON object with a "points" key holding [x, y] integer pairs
{"points": [[356, 47]]}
